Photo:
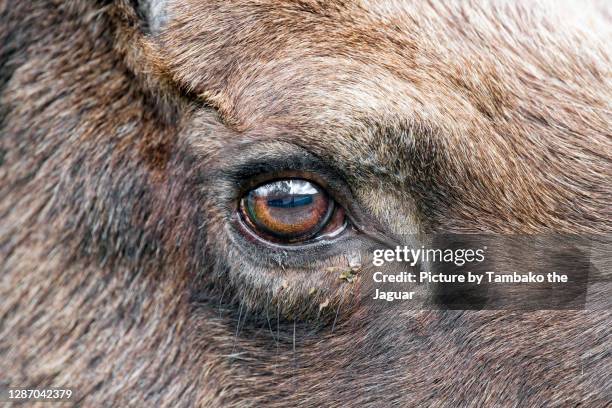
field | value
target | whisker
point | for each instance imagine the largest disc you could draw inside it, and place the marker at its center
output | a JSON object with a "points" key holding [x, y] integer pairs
{"points": [[221, 301], [277, 334], [268, 318], [237, 328], [294, 358], [337, 312]]}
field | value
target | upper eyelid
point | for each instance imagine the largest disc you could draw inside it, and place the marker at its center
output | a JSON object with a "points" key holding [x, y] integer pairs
{"points": [[251, 167]]}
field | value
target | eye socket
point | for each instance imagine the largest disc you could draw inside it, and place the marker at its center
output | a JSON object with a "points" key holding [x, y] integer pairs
{"points": [[290, 211]]}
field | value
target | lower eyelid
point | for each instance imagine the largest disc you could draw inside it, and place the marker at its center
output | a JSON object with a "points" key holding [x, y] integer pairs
{"points": [[324, 238]]}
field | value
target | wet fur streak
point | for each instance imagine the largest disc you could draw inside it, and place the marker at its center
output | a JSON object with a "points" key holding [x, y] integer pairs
{"points": [[126, 129]]}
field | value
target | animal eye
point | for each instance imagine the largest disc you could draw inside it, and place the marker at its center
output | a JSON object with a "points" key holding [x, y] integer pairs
{"points": [[291, 210]]}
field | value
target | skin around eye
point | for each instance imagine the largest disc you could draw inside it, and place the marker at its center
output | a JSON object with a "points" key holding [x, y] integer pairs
{"points": [[292, 209]]}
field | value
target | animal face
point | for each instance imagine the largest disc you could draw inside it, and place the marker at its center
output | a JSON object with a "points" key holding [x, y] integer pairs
{"points": [[150, 254]]}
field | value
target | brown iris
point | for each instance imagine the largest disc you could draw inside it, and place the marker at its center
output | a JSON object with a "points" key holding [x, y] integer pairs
{"points": [[291, 209]]}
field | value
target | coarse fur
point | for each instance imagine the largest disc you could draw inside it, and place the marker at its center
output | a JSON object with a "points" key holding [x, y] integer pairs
{"points": [[128, 127]]}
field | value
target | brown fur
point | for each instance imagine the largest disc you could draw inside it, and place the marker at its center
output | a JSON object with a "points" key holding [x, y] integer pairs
{"points": [[122, 142]]}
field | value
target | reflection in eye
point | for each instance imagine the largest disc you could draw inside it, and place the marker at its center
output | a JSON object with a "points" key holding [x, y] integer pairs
{"points": [[288, 202], [288, 210]]}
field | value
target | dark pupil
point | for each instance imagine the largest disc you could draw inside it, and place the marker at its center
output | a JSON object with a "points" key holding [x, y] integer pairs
{"points": [[290, 201]]}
